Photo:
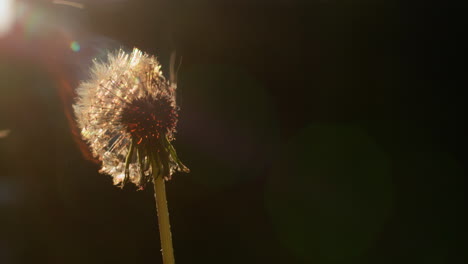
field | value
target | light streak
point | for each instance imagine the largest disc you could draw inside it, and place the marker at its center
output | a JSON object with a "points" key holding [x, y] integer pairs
{"points": [[68, 3]]}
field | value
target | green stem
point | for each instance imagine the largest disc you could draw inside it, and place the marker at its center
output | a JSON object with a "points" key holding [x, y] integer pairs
{"points": [[163, 217]]}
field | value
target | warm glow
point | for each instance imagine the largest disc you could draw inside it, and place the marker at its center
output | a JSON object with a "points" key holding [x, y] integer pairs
{"points": [[6, 16], [68, 3]]}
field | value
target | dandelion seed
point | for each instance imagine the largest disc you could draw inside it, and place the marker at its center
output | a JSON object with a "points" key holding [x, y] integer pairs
{"points": [[127, 113]]}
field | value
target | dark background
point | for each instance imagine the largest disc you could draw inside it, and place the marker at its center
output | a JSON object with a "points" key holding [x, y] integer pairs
{"points": [[316, 132]]}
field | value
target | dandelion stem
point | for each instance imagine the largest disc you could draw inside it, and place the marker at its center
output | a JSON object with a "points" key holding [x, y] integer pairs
{"points": [[163, 218]]}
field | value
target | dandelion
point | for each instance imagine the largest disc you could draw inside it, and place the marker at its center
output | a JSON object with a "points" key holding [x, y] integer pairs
{"points": [[127, 114]]}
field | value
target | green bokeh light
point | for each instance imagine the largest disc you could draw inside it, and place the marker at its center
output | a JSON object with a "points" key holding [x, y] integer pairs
{"points": [[330, 194], [75, 46]]}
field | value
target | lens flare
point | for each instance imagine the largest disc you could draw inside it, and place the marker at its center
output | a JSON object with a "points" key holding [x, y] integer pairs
{"points": [[75, 46], [6, 16], [68, 3], [4, 133]]}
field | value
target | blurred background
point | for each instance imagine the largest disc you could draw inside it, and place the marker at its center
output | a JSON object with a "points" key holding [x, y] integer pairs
{"points": [[317, 131]]}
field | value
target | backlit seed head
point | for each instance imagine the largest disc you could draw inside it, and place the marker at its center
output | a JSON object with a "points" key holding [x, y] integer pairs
{"points": [[127, 113]]}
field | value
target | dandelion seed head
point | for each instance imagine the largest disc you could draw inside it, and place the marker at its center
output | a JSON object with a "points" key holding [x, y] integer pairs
{"points": [[127, 114]]}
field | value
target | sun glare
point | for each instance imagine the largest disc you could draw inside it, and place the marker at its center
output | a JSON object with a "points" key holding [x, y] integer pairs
{"points": [[6, 16]]}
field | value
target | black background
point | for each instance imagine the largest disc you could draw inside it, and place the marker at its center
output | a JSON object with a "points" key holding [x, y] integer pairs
{"points": [[316, 132]]}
